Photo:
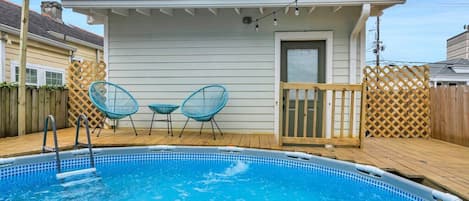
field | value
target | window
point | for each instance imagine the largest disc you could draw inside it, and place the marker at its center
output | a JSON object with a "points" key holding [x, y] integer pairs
{"points": [[53, 78], [31, 75], [38, 75]]}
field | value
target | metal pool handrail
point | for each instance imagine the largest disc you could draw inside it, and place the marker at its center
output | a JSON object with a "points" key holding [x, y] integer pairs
{"points": [[88, 145], [56, 146]]}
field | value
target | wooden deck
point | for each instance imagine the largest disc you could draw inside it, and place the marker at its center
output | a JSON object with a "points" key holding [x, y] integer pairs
{"points": [[439, 162]]}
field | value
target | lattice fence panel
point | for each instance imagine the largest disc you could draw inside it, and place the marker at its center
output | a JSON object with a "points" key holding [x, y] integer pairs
{"points": [[398, 101], [80, 77]]}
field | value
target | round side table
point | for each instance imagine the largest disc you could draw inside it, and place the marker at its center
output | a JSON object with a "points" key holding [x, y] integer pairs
{"points": [[166, 109]]}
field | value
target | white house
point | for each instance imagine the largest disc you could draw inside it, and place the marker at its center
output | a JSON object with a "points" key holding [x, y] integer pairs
{"points": [[162, 50]]}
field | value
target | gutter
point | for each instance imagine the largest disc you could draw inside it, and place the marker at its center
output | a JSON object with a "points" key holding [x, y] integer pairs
{"points": [[74, 40], [216, 3], [31, 36], [366, 10]]}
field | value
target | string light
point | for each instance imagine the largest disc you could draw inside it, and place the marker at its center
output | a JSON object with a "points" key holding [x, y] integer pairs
{"points": [[297, 10], [275, 19], [274, 14]]}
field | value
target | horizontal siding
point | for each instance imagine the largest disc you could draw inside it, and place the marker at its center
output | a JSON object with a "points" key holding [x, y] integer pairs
{"points": [[37, 53], [458, 39], [163, 59], [84, 52], [459, 53], [458, 47]]}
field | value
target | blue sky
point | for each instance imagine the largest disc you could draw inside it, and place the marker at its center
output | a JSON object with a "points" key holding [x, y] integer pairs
{"points": [[412, 32], [68, 16], [417, 30]]}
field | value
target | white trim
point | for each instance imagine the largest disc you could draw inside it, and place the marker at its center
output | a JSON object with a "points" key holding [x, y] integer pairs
{"points": [[2, 59], [106, 46], [41, 72], [216, 3], [299, 36], [15, 31], [449, 79]]}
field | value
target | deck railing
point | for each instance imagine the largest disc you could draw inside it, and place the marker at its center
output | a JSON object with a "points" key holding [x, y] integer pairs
{"points": [[312, 113]]}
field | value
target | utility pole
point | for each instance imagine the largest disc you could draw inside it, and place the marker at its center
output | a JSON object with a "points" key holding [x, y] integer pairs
{"points": [[22, 68], [377, 41], [379, 47]]}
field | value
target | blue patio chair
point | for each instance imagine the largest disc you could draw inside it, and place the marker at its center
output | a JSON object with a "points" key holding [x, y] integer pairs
{"points": [[113, 101], [203, 105]]}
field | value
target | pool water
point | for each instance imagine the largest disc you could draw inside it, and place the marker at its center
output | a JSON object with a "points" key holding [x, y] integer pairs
{"points": [[181, 179]]}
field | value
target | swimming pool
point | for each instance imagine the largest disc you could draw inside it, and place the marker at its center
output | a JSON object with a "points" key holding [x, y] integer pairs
{"points": [[203, 173]]}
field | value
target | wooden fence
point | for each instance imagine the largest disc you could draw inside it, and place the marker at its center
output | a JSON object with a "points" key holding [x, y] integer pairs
{"points": [[80, 77], [450, 114], [306, 119], [39, 103], [398, 101]]}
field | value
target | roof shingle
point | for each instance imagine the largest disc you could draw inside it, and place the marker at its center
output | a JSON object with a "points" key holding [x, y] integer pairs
{"points": [[10, 15]]}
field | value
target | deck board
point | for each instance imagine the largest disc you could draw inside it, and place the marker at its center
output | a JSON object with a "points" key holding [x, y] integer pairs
{"points": [[443, 163]]}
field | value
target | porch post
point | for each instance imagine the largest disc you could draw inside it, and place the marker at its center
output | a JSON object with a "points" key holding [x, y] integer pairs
{"points": [[362, 114], [280, 115], [22, 68]]}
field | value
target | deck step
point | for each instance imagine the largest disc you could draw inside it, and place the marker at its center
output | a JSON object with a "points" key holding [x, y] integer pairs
{"points": [[79, 182], [75, 173]]}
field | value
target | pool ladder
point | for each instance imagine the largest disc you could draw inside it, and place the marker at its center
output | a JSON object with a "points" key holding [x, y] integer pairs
{"points": [[62, 175]]}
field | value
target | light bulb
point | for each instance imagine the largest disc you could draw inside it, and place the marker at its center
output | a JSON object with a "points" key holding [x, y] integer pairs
{"points": [[297, 11], [275, 22]]}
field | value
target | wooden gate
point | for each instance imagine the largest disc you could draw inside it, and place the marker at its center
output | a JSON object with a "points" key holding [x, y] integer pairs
{"points": [[80, 76], [341, 120], [398, 101]]}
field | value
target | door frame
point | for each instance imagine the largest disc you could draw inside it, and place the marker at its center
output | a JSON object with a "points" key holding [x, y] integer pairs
{"points": [[302, 36]]}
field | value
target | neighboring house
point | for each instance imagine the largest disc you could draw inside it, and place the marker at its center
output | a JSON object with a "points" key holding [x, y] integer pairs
{"points": [[455, 70], [458, 46], [161, 50], [52, 44], [450, 72]]}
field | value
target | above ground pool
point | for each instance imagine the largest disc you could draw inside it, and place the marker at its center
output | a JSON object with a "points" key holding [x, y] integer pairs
{"points": [[202, 173]]}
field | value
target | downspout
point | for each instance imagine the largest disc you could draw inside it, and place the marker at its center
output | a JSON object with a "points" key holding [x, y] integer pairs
{"points": [[366, 9]]}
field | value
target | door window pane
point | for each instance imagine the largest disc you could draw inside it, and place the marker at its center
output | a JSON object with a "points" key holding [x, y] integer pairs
{"points": [[302, 66]]}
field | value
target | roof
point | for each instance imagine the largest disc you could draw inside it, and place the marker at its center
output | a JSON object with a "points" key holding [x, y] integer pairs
{"points": [[216, 3], [10, 15], [465, 32], [445, 70]]}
